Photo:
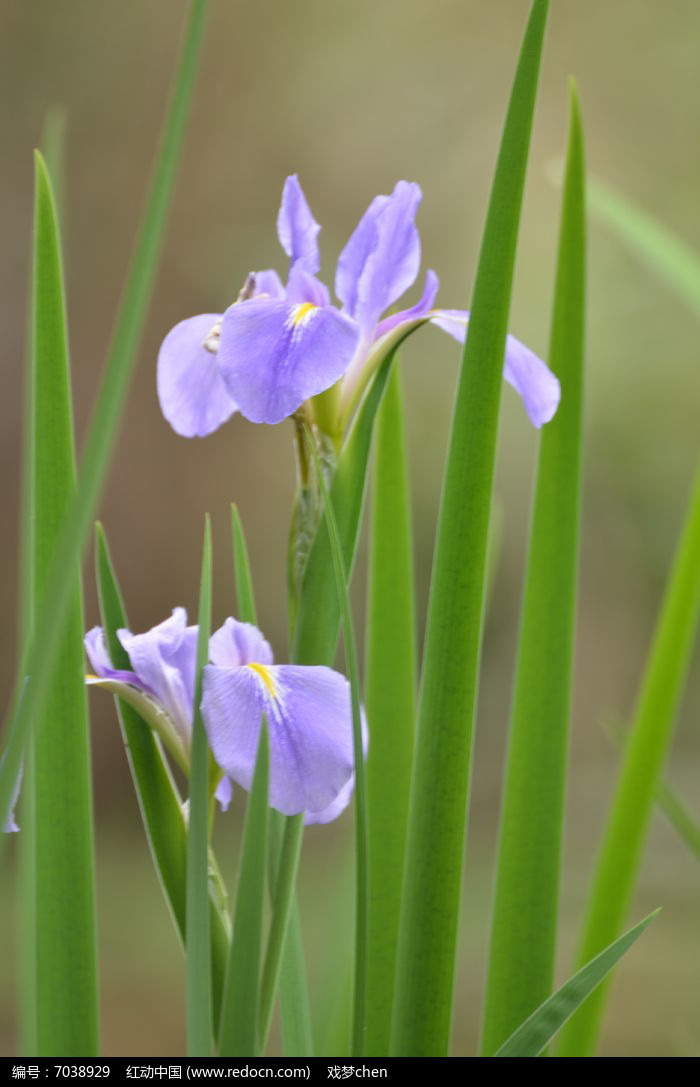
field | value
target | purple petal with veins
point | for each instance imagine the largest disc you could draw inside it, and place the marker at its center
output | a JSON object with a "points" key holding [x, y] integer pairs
{"points": [[296, 227], [273, 356], [529, 376], [192, 396]]}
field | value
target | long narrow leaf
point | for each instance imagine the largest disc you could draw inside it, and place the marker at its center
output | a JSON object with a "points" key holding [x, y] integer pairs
{"points": [[295, 1013], [200, 1017], [361, 862], [238, 1031], [158, 796], [645, 753], [524, 924], [390, 702], [666, 254], [66, 968], [76, 523], [52, 149], [532, 1036], [435, 842]]}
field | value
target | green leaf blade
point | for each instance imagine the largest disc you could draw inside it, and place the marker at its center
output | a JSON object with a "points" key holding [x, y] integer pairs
{"points": [[238, 1034], [390, 704], [104, 423], [159, 800], [524, 923], [200, 1015], [428, 927], [645, 753], [295, 1012], [66, 968], [535, 1034]]}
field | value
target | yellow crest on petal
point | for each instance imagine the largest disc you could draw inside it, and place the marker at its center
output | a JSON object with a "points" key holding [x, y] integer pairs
{"points": [[264, 673], [302, 312]]}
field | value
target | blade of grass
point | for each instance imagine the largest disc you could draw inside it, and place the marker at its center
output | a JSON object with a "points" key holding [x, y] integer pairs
{"points": [[532, 1036], [359, 1020], [391, 705], [52, 147], [200, 1019], [437, 817], [238, 1030], [666, 797], [295, 1014], [47, 631], [524, 920], [645, 753], [667, 255], [158, 797], [66, 966]]}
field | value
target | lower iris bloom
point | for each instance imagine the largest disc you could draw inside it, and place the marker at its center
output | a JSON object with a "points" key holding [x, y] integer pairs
{"points": [[308, 710], [309, 719], [277, 346]]}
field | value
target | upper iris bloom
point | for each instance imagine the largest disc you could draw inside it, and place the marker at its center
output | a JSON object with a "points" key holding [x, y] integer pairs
{"points": [[309, 719], [277, 347], [308, 710]]}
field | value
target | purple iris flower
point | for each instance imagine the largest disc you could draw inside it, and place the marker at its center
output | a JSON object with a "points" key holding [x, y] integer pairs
{"points": [[277, 347], [308, 710], [160, 685], [309, 719]]}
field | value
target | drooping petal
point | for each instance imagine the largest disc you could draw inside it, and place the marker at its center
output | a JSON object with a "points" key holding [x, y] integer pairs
{"points": [[268, 284], [338, 806], [164, 659], [273, 356], [192, 396], [528, 374], [297, 229], [96, 650], [421, 309], [235, 644], [224, 792], [382, 257], [310, 728]]}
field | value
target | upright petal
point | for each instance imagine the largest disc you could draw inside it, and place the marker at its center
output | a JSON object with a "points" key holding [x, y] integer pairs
{"points": [[529, 376], [235, 644], [273, 356], [309, 722], [303, 287], [297, 229], [192, 396], [164, 659], [268, 284], [421, 309], [382, 257]]}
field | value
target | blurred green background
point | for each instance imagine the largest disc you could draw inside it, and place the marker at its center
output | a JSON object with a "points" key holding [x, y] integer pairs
{"points": [[353, 97]]}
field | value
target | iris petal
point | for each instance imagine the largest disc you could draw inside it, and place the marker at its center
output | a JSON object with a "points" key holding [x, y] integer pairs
{"points": [[268, 283], [529, 376], [192, 396], [310, 728], [273, 356], [236, 643], [297, 229], [382, 257], [421, 309], [164, 660]]}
